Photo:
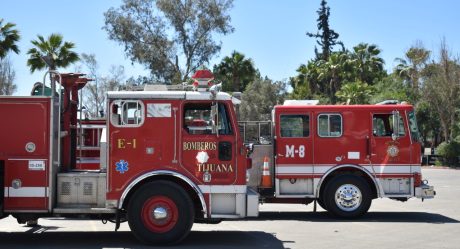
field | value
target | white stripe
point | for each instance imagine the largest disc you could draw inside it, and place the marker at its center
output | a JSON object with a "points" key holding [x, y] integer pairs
{"points": [[5, 192], [88, 160], [233, 189], [28, 192], [294, 170], [323, 168], [389, 170]]}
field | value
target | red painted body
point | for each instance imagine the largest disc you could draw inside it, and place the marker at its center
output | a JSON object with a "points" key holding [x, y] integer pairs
{"points": [[358, 138], [25, 120], [159, 134]]}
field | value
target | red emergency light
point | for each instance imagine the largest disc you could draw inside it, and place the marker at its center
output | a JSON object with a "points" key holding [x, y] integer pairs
{"points": [[202, 79]]}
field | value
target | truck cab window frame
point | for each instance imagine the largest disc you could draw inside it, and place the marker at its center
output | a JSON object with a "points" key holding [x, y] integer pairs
{"points": [[329, 125], [294, 125], [197, 119], [382, 125], [127, 113]]}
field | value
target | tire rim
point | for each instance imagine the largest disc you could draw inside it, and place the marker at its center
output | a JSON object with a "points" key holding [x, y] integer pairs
{"points": [[159, 214], [348, 197]]}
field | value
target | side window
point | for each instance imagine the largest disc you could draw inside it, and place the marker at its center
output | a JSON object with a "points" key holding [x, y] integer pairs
{"points": [[197, 118], [330, 125], [224, 125], [127, 113], [294, 125], [383, 125]]}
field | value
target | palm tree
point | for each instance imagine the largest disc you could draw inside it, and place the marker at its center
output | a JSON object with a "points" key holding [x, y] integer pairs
{"points": [[410, 68], [355, 93], [367, 62], [57, 52], [236, 72], [332, 73], [8, 38]]}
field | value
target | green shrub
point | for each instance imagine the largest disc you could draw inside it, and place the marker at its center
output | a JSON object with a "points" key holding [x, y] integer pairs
{"points": [[450, 152]]}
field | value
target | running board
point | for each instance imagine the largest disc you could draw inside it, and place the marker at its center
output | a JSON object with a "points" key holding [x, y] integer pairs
{"points": [[84, 211]]}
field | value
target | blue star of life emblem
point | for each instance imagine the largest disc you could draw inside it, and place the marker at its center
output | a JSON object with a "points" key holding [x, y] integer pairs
{"points": [[122, 166]]}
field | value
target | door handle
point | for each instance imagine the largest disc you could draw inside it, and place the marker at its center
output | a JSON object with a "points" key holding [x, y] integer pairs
{"points": [[280, 155], [368, 147]]}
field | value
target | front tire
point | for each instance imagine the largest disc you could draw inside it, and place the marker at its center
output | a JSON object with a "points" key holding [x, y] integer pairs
{"points": [[160, 212], [347, 196]]}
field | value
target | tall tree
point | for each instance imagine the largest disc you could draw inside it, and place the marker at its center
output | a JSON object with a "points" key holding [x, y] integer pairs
{"points": [[235, 71], [7, 75], [355, 93], [58, 52], [441, 90], [334, 72], [410, 68], [260, 97], [326, 37], [367, 63], [8, 38], [172, 38], [93, 98]]}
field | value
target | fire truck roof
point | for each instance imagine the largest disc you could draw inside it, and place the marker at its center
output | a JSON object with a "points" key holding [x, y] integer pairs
{"points": [[185, 95], [346, 107]]}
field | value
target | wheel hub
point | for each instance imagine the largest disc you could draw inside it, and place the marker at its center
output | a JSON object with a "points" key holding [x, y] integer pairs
{"points": [[160, 213], [348, 197]]}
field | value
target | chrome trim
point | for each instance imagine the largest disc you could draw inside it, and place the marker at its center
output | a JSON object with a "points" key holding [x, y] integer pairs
{"points": [[160, 213], [175, 109], [348, 197], [318, 187], [166, 173]]}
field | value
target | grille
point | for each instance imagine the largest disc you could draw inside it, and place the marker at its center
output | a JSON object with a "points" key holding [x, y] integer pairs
{"points": [[65, 188], [87, 188]]}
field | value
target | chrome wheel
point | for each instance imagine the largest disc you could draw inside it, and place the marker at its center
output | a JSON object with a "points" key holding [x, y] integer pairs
{"points": [[348, 197]]}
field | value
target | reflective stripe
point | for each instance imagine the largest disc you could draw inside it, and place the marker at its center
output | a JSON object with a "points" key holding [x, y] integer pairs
{"points": [[389, 169], [302, 169], [297, 169], [231, 189], [28, 192]]}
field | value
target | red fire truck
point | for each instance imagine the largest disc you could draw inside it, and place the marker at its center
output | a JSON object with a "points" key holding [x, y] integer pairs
{"points": [[163, 160]]}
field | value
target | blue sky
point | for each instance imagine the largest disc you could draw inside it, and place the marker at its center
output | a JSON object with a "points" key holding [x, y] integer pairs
{"points": [[271, 32]]}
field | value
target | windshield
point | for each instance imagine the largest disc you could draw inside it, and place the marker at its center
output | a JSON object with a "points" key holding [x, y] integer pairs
{"points": [[413, 127]]}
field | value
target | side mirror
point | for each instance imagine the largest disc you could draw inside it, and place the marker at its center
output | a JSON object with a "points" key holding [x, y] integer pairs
{"points": [[396, 119], [249, 148]]}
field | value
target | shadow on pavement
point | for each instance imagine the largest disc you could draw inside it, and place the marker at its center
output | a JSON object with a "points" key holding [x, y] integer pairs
{"points": [[93, 240], [408, 217]]}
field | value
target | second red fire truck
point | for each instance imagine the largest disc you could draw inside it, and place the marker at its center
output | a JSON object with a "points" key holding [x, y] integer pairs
{"points": [[163, 160]]}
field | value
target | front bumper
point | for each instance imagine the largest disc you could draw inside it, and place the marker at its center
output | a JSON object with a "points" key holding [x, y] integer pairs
{"points": [[425, 191]]}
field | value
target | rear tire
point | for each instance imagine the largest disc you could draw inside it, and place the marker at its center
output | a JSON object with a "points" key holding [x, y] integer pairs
{"points": [[347, 196], [160, 212]]}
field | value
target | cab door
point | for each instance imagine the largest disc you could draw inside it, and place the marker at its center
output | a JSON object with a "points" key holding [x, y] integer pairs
{"points": [[208, 149], [389, 147], [294, 156]]}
